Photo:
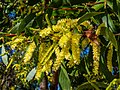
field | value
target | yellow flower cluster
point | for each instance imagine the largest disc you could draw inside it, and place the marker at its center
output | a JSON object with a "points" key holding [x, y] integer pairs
{"points": [[100, 29], [109, 57], [75, 48], [45, 32], [47, 66], [87, 25], [67, 54], [42, 49], [67, 23], [96, 58], [44, 61], [59, 59], [29, 52], [56, 28], [57, 51], [85, 42], [62, 26], [39, 71], [65, 40], [17, 41], [71, 62]]}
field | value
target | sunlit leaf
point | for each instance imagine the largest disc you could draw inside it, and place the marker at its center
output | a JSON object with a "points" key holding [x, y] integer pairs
{"points": [[4, 57], [15, 28], [31, 74], [98, 6]]}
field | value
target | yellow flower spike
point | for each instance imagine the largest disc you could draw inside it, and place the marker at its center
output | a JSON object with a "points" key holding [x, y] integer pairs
{"points": [[57, 51], [71, 62], [46, 32], [47, 63], [64, 40], [49, 55], [16, 41], [100, 29], [43, 68], [47, 66], [29, 52], [75, 48], [87, 24], [85, 42], [109, 57], [41, 51], [96, 58], [48, 51], [67, 54], [39, 71], [56, 28], [79, 28], [59, 59]]}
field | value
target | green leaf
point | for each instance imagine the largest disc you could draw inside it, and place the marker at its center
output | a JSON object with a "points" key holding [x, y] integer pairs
{"points": [[25, 22], [110, 36], [103, 68], [87, 85], [64, 79], [4, 57], [14, 29], [68, 1], [88, 15], [31, 74], [98, 6], [111, 24], [39, 20]]}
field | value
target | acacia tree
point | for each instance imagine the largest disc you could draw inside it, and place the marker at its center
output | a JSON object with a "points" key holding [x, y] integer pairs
{"points": [[60, 42]]}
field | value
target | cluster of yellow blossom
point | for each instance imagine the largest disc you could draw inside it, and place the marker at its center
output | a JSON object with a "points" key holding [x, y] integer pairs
{"points": [[64, 40], [87, 25], [29, 52], [75, 48], [62, 26], [65, 45], [109, 57], [39, 71], [16, 41], [44, 61], [96, 57], [59, 60], [85, 42], [45, 32], [67, 23], [100, 29]]}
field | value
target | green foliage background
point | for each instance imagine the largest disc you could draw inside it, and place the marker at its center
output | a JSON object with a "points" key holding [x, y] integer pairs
{"points": [[32, 17]]}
